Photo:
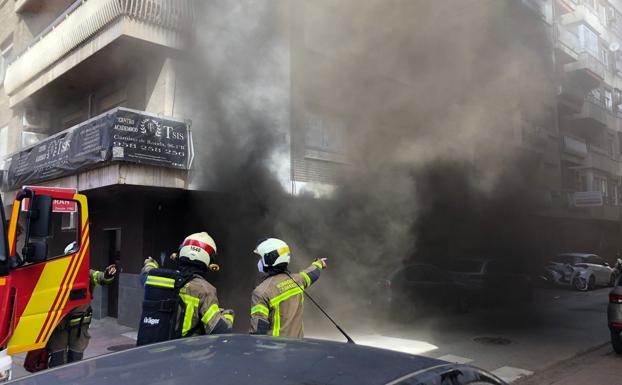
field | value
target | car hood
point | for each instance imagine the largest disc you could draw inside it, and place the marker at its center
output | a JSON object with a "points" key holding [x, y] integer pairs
{"points": [[244, 359]]}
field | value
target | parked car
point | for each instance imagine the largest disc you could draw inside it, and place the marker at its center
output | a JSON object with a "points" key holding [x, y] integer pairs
{"points": [[418, 288], [582, 271], [614, 316], [248, 359], [494, 280]]}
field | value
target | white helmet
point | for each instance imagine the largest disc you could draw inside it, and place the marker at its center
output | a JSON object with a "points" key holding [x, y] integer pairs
{"points": [[200, 247], [274, 253]]}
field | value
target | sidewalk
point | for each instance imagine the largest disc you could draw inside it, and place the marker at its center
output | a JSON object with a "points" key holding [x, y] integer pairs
{"points": [[598, 367], [106, 336]]}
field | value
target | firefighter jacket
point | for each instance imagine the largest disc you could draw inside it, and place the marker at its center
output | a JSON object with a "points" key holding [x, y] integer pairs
{"points": [[277, 303], [199, 312], [82, 313]]}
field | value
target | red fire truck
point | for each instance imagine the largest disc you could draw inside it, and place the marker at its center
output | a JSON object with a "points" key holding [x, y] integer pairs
{"points": [[44, 267]]}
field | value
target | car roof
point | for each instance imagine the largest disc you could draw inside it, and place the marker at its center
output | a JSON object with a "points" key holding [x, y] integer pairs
{"points": [[579, 255], [243, 359]]}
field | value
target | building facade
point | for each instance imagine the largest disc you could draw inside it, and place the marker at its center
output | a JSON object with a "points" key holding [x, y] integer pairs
{"points": [[116, 68]]}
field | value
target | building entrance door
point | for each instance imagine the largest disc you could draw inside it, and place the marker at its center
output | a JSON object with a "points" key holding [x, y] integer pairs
{"points": [[112, 249]]}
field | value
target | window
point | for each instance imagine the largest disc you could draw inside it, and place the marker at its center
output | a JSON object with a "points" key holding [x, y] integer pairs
{"points": [[589, 40], [608, 100], [4, 141], [618, 100], [600, 185], [604, 53], [64, 231], [6, 49]]}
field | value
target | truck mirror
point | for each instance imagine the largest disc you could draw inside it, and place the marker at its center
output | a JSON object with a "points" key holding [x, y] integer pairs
{"points": [[39, 215]]}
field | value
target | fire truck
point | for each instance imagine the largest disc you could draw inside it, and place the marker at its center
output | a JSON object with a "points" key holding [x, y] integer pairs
{"points": [[44, 267]]}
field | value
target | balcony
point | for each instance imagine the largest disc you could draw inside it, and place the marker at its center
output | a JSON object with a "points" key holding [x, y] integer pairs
{"points": [[587, 205], [587, 73], [602, 159], [593, 114], [38, 5], [87, 27], [567, 45], [582, 14], [574, 146]]}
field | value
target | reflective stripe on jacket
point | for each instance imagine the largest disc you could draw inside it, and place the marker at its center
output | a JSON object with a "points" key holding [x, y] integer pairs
{"points": [[277, 303], [201, 313]]}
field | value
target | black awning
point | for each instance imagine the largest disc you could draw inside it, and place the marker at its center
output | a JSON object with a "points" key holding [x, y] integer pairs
{"points": [[117, 135]]}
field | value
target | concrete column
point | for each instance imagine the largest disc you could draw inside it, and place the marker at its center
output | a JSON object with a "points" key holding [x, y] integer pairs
{"points": [[161, 84], [589, 179]]}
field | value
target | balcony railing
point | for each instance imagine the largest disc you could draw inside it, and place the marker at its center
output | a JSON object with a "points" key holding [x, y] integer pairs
{"points": [[574, 146], [84, 19]]}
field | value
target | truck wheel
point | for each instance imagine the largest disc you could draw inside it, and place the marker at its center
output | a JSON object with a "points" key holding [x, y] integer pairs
{"points": [[616, 340]]}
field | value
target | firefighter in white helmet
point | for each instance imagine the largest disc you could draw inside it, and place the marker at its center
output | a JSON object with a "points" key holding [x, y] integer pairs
{"points": [[277, 302], [199, 311]]}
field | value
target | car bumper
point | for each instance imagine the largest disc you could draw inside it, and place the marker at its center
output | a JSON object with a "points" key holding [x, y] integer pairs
{"points": [[6, 366], [614, 315]]}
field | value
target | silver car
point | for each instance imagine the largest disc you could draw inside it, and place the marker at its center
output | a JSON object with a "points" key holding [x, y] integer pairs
{"points": [[614, 317], [583, 271]]}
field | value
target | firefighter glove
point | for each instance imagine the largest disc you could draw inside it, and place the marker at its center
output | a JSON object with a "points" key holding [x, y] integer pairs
{"points": [[111, 271]]}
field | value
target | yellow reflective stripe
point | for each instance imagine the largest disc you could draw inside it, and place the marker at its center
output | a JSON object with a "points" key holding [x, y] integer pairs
{"points": [[282, 297], [161, 279], [209, 314], [189, 300], [283, 250], [191, 304], [318, 264], [151, 264], [76, 321], [306, 277], [229, 317], [276, 324], [161, 282], [260, 309], [274, 303], [165, 285], [107, 280], [94, 277]]}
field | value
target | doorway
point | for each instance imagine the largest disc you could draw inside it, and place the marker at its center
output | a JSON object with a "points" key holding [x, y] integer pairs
{"points": [[112, 251]]}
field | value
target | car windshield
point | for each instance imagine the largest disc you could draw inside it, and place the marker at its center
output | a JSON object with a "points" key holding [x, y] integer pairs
{"points": [[466, 266]]}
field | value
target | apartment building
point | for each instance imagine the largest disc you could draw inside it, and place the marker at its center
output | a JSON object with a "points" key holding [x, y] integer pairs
{"points": [[97, 87], [587, 36]]}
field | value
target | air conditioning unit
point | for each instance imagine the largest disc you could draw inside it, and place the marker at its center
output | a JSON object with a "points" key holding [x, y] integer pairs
{"points": [[35, 120], [31, 138]]}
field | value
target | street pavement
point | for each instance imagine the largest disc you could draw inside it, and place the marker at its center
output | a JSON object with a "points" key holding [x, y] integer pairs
{"points": [[600, 366], [511, 341]]}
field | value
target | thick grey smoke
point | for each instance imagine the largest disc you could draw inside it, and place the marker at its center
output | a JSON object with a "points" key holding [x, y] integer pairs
{"points": [[432, 93]]}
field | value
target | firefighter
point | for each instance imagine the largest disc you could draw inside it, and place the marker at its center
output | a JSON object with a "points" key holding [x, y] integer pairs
{"points": [[71, 337], [199, 311], [277, 303]]}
